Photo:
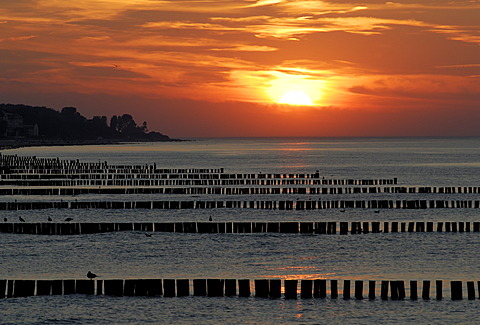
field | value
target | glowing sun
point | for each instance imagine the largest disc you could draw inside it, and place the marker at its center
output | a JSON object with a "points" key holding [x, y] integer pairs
{"points": [[295, 97]]}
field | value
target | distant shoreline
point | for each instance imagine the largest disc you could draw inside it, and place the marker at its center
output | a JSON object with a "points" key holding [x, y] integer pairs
{"points": [[9, 144]]}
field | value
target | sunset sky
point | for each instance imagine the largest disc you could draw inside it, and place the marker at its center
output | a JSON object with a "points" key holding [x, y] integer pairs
{"points": [[250, 68]]}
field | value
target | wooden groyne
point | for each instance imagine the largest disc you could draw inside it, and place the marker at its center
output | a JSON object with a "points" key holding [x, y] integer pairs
{"points": [[61, 188], [290, 227], [259, 288], [243, 204]]}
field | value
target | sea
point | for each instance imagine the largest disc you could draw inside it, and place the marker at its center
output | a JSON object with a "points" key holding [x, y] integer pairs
{"points": [[425, 161]]}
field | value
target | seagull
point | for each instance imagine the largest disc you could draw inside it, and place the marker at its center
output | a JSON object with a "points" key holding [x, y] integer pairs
{"points": [[148, 235], [91, 275], [21, 219], [69, 219], [49, 219]]}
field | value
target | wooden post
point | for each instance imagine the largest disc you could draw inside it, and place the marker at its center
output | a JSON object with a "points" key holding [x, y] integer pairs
{"points": [[244, 288], [426, 290], [439, 288], [393, 290], [169, 288], [471, 290], [290, 289], [3, 287], [183, 287], [401, 289], [320, 288], [261, 288], [385, 227], [334, 289], [275, 288], [384, 290], [69, 287], [346, 289], [371, 290], [99, 287], [343, 228], [306, 289], [413, 290], [394, 226], [44, 288], [215, 287], [439, 226], [24, 288], [358, 289], [129, 287], [456, 290], [200, 287], [230, 287]]}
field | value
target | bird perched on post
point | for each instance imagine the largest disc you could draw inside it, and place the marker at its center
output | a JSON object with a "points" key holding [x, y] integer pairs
{"points": [[91, 275]]}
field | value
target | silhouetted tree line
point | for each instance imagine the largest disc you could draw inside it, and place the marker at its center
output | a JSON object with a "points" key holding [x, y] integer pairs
{"points": [[71, 125]]}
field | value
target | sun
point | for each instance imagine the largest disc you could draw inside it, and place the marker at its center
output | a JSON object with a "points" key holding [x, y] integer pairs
{"points": [[296, 97]]}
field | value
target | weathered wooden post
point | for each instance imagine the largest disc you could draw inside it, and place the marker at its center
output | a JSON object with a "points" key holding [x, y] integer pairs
{"points": [[346, 289], [413, 290], [200, 287], [426, 290], [290, 289], [306, 287], [471, 290], [169, 288], [215, 287], [24, 288], [320, 288], [230, 287], [384, 290], [439, 288], [69, 287], [334, 289], [183, 287], [456, 290], [371, 289], [44, 288], [401, 289], [244, 288], [261, 288], [275, 288], [3, 288], [343, 228], [393, 290], [57, 287], [358, 289]]}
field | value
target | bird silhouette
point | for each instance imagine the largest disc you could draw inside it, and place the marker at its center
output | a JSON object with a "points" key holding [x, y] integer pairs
{"points": [[91, 275], [49, 219], [69, 219], [21, 219], [148, 235]]}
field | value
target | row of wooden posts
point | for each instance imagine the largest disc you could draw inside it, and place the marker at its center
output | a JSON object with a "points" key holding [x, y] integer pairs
{"points": [[68, 191], [238, 204], [292, 227], [263, 288]]}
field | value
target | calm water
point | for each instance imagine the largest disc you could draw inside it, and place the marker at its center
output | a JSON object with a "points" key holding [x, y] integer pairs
{"points": [[403, 256]]}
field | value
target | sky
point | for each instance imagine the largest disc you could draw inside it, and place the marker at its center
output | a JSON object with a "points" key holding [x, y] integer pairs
{"points": [[250, 68]]}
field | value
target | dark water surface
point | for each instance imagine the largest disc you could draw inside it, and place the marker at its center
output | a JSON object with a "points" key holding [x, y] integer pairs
{"points": [[400, 256]]}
